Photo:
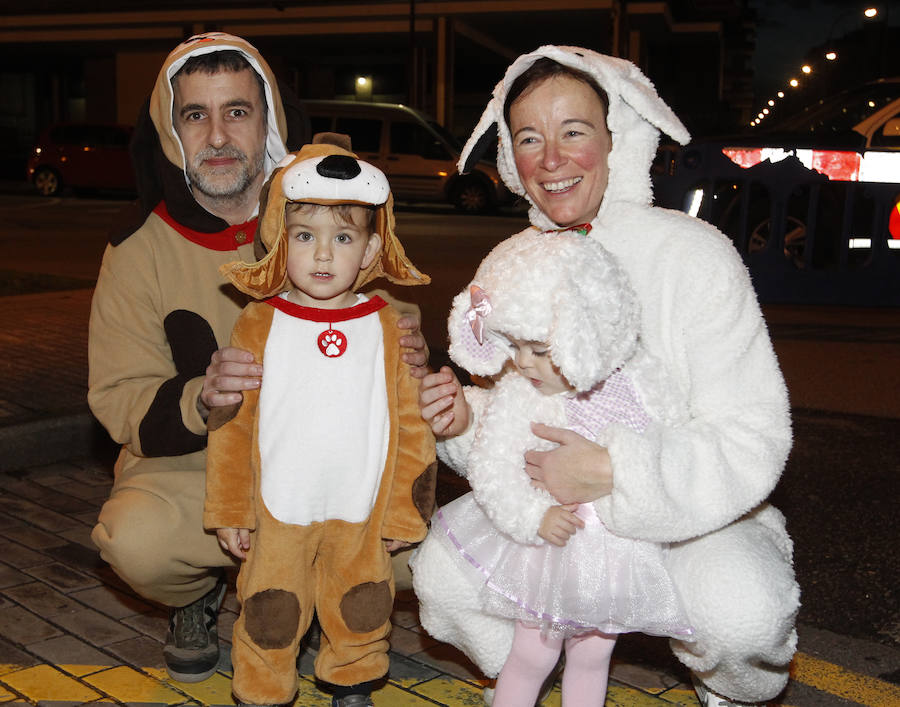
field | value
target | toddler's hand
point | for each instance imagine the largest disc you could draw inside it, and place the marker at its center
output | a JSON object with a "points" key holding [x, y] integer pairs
{"points": [[234, 540], [559, 524], [442, 403], [394, 545]]}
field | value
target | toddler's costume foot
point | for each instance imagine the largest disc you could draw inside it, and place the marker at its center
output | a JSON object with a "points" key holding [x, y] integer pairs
{"points": [[708, 698], [191, 652]]}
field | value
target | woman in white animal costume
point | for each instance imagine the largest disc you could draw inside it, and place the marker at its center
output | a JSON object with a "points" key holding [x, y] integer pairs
{"points": [[577, 135]]}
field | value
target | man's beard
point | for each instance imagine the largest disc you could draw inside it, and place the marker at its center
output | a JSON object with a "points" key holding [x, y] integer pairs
{"points": [[224, 185]]}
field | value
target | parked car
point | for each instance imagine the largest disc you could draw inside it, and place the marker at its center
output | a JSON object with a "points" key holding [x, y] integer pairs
{"points": [[416, 153], [81, 156], [812, 204]]}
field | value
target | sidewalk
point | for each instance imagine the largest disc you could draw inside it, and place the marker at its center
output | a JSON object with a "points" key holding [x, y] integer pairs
{"points": [[72, 633]]}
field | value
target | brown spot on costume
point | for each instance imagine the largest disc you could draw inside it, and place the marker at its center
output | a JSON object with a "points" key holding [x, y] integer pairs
{"points": [[366, 606]]}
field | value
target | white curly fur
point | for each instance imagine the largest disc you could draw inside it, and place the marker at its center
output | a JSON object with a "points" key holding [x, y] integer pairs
{"points": [[558, 288]]}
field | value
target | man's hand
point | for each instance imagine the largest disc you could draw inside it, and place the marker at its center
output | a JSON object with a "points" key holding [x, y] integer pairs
{"points": [[229, 372], [577, 471], [442, 403], [559, 524], [418, 357], [234, 540]]}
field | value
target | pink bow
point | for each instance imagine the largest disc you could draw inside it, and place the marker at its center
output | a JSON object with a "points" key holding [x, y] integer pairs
{"points": [[481, 307]]}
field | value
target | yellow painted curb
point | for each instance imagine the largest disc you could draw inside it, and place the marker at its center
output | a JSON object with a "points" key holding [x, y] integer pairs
{"points": [[841, 682], [44, 683]]}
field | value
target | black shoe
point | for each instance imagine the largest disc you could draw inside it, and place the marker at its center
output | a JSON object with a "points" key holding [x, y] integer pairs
{"points": [[191, 652], [352, 701]]}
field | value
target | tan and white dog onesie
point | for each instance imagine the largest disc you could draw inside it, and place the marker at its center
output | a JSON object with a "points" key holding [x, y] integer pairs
{"points": [[328, 458]]}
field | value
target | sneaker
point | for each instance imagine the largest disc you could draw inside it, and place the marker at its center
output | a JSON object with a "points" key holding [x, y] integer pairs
{"points": [[708, 698], [191, 652], [352, 701]]}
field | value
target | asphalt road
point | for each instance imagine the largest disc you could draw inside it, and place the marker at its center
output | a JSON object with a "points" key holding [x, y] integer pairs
{"points": [[839, 491]]}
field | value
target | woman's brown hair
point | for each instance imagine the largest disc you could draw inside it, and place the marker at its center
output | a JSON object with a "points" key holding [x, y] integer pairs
{"points": [[543, 69]]}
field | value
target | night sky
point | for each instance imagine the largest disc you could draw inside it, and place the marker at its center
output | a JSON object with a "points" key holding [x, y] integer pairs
{"points": [[786, 29]]}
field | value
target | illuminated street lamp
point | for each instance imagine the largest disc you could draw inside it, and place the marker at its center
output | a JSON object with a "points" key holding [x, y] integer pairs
{"points": [[771, 102], [806, 69], [363, 88], [794, 83], [831, 56], [780, 94], [871, 12]]}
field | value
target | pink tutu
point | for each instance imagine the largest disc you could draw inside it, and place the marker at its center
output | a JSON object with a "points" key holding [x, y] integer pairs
{"points": [[596, 581]]}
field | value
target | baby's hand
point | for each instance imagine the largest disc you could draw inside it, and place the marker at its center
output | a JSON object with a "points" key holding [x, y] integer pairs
{"points": [[442, 403], [234, 540], [394, 545], [559, 524]]}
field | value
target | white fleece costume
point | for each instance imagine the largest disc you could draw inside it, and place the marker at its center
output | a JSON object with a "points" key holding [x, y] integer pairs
{"points": [[699, 481]]}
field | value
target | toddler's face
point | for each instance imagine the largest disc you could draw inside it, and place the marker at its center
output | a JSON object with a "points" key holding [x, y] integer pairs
{"points": [[326, 253], [532, 360]]}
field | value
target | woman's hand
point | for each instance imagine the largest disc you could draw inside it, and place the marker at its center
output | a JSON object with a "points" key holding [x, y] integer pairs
{"points": [[234, 540], [418, 357], [577, 471], [230, 371], [559, 524], [443, 405], [394, 545]]}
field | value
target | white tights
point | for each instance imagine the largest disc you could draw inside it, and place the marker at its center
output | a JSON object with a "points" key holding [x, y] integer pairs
{"points": [[533, 657]]}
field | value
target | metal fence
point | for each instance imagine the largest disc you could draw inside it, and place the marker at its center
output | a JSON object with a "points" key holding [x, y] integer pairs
{"points": [[804, 238]]}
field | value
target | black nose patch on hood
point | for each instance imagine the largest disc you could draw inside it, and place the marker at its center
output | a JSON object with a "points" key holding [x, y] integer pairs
{"points": [[338, 167]]}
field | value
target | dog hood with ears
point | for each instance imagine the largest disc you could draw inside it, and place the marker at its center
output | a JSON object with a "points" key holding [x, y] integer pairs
{"points": [[564, 289], [323, 174], [162, 98], [635, 118]]}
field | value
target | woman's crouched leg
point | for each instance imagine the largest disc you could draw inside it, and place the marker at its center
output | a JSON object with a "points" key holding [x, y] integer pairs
{"points": [[738, 588], [450, 610]]}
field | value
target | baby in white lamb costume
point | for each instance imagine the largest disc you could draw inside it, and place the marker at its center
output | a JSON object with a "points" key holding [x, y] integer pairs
{"points": [[696, 476], [558, 308]]}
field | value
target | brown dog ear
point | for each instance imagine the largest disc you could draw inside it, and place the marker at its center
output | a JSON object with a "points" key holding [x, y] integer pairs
{"points": [[338, 139]]}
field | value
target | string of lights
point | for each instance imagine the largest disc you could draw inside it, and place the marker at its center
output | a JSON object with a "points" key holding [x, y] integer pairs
{"points": [[831, 54]]}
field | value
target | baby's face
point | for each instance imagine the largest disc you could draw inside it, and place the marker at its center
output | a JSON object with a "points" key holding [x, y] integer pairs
{"points": [[532, 360]]}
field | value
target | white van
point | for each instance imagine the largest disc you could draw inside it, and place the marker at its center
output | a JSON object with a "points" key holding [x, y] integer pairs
{"points": [[416, 153]]}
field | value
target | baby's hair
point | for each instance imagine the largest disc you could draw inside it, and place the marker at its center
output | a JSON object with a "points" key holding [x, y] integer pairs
{"points": [[344, 212]]}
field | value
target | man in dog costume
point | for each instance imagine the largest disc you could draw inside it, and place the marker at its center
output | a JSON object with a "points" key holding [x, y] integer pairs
{"points": [[329, 463], [701, 481]]}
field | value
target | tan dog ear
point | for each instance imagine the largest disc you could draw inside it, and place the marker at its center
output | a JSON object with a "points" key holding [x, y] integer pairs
{"points": [[337, 139]]}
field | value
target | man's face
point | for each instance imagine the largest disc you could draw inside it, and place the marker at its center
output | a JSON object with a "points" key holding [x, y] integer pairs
{"points": [[220, 119]]}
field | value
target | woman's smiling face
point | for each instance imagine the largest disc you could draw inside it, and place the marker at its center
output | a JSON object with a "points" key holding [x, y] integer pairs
{"points": [[561, 145]]}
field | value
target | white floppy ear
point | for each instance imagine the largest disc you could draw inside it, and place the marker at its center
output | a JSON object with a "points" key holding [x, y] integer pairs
{"points": [[596, 320], [482, 136], [637, 91]]}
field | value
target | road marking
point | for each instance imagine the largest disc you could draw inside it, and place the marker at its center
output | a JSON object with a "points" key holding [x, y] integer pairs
{"points": [[841, 682]]}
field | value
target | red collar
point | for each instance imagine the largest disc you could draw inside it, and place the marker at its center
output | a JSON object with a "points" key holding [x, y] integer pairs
{"points": [[330, 316], [228, 239]]}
